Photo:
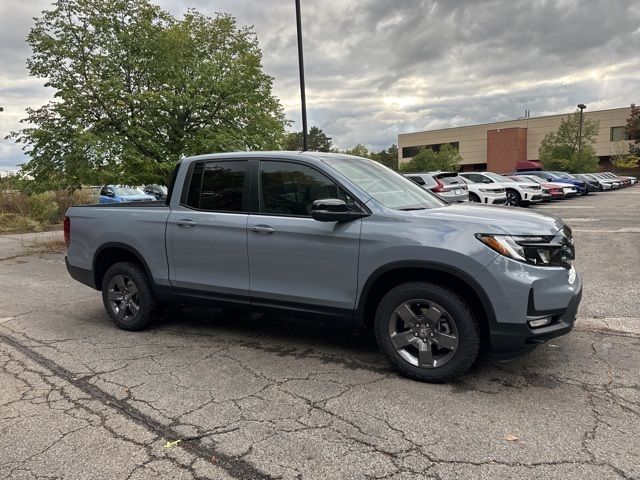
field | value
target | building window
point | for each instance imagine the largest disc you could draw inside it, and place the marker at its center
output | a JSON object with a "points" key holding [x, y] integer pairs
{"points": [[408, 152], [619, 133]]}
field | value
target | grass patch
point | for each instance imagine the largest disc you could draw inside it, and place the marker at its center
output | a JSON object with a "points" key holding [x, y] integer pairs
{"points": [[22, 213], [17, 223], [52, 245]]}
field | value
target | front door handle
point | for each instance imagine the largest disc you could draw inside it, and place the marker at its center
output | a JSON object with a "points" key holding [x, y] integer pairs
{"points": [[263, 228], [185, 223]]}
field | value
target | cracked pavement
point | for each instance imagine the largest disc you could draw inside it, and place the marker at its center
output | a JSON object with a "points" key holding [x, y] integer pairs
{"points": [[206, 394]]}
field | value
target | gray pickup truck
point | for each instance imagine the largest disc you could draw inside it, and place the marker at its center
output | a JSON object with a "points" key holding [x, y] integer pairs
{"points": [[335, 236]]}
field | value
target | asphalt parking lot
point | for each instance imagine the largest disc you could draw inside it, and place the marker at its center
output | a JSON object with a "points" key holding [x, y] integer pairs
{"points": [[206, 395]]}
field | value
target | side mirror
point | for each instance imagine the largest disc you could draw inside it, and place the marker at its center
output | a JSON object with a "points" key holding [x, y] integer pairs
{"points": [[110, 194], [333, 210]]}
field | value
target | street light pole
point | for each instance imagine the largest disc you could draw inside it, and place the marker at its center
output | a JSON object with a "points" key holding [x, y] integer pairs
{"points": [[303, 99], [581, 106]]}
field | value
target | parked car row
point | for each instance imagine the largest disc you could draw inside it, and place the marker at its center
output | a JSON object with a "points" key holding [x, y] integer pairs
{"points": [[518, 189]]}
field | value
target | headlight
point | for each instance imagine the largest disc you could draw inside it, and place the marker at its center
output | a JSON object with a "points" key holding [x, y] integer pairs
{"points": [[486, 189], [540, 250]]}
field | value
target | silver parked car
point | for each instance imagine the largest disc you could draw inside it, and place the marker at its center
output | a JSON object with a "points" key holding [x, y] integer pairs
{"points": [[446, 185]]}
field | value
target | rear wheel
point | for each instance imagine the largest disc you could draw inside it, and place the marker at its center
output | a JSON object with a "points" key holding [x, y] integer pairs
{"points": [[127, 296], [513, 198], [427, 332]]}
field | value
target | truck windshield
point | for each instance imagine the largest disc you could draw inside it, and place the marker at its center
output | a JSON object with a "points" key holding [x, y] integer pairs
{"points": [[388, 187]]}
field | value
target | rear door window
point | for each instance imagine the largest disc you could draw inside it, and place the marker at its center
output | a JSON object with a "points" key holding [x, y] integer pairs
{"points": [[219, 186]]}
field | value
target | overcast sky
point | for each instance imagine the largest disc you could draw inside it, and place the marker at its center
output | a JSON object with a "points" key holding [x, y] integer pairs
{"points": [[376, 68]]}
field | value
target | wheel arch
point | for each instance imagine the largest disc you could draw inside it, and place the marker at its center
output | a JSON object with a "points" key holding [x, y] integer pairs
{"points": [[114, 252], [388, 276]]}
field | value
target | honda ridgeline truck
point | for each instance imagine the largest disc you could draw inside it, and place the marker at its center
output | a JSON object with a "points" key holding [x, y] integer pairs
{"points": [[336, 236]]}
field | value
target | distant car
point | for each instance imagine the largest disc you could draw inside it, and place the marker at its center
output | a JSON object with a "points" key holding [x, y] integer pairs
{"points": [[518, 193], [158, 191], [626, 181], [546, 191], [557, 190], [557, 177], [446, 185], [486, 194], [122, 194], [604, 183], [593, 183]]}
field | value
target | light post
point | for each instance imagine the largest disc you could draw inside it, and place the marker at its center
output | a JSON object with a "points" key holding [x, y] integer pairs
{"points": [[581, 106], [301, 68]]}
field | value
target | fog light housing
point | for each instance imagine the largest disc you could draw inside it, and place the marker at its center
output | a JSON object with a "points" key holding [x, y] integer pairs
{"points": [[537, 322]]}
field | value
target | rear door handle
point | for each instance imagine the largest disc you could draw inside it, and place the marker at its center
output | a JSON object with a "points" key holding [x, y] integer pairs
{"points": [[185, 223], [263, 228]]}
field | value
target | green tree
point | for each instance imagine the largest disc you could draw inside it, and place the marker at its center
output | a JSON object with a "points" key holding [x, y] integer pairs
{"points": [[559, 149], [622, 159], [428, 160], [317, 141], [633, 130], [359, 151], [387, 157], [136, 89]]}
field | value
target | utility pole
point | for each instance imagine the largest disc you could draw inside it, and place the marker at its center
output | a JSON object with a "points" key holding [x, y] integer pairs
{"points": [[301, 68], [581, 106]]}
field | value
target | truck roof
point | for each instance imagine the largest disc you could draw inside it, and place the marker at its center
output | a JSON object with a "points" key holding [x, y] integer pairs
{"points": [[284, 155]]}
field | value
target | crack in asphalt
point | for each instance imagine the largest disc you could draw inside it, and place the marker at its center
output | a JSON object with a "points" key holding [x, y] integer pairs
{"points": [[235, 467]]}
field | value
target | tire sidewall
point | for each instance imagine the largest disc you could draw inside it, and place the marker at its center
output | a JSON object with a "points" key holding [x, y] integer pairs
{"points": [[462, 315], [145, 296]]}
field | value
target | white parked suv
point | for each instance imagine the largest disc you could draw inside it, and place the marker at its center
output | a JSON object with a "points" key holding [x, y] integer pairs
{"points": [[487, 194], [446, 185], [518, 193]]}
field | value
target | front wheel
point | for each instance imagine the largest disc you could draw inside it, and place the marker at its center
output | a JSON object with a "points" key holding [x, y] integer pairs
{"points": [[127, 296], [474, 198], [513, 198], [427, 332]]}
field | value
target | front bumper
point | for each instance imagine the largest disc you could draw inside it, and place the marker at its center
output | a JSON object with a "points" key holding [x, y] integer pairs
{"points": [[532, 197], [519, 292]]}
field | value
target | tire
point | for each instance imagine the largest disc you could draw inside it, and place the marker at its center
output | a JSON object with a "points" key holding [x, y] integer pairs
{"points": [[474, 198], [133, 309], [440, 348], [513, 198]]}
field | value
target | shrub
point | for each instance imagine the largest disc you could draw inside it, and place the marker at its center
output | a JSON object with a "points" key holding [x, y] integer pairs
{"points": [[16, 223], [42, 209]]}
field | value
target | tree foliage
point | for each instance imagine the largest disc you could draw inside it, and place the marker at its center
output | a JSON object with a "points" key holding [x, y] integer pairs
{"points": [[387, 157], [136, 89], [317, 141], [428, 160], [633, 130], [559, 149], [358, 151], [622, 159]]}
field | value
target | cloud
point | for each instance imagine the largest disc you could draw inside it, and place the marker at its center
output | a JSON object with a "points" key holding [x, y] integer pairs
{"points": [[376, 68]]}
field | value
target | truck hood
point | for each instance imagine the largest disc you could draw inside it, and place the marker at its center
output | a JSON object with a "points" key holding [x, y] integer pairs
{"points": [[494, 219]]}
